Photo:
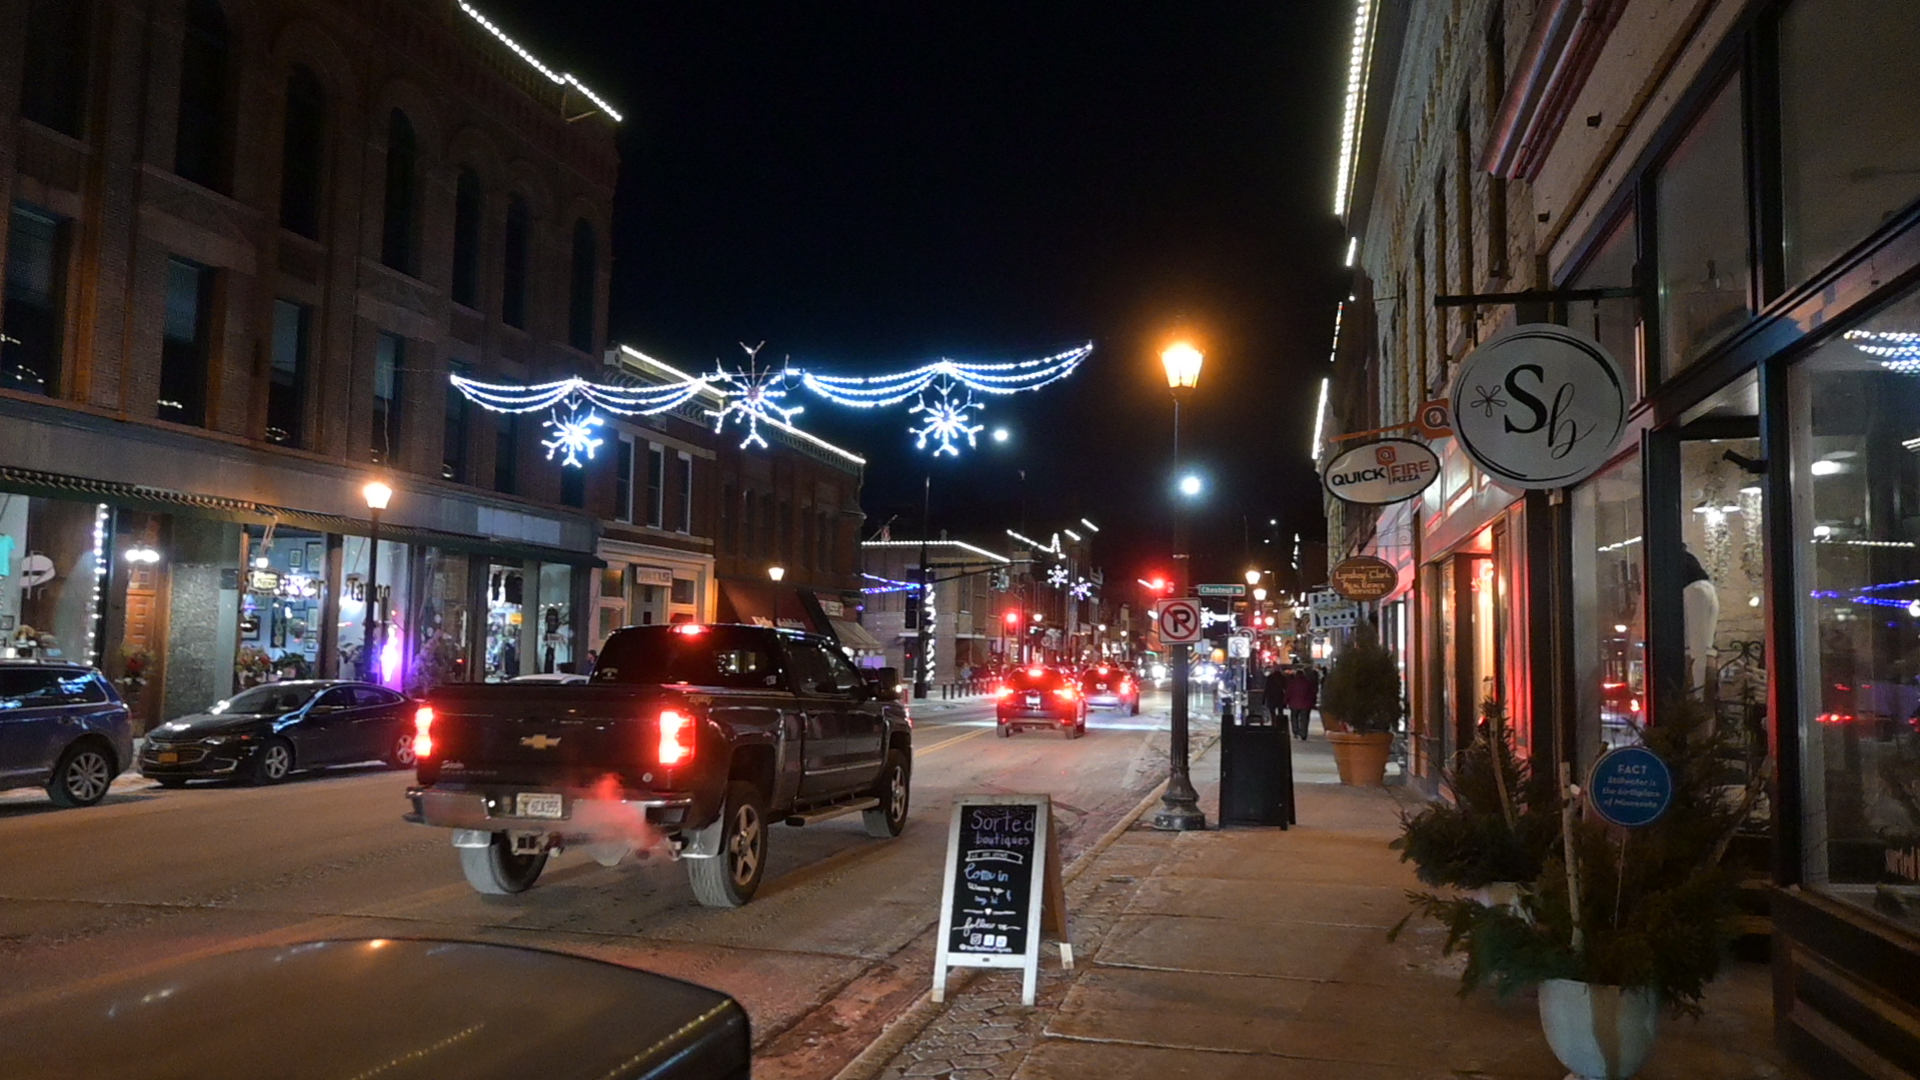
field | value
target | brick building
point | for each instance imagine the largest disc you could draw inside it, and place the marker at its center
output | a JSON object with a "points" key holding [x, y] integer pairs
{"points": [[246, 243], [1730, 189]]}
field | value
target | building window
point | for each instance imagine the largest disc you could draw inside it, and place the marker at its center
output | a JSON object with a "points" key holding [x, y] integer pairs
{"points": [[1850, 136], [586, 272], [32, 321], [200, 135], [287, 378], [1701, 217], [402, 195], [302, 151], [1463, 194], [55, 88], [1610, 629], [656, 485], [573, 487], [389, 362], [185, 343], [453, 435], [506, 452], [684, 516], [467, 212], [623, 481], [513, 295], [1613, 323], [681, 592], [1854, 409]]}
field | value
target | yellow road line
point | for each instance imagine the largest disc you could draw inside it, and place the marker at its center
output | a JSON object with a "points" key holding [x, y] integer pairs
{"points": [[949, 742]]}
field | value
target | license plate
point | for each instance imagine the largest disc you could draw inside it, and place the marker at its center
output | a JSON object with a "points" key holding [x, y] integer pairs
{"points": [[1033, 701], [529, 804], [1103, 686], [168, 757]]}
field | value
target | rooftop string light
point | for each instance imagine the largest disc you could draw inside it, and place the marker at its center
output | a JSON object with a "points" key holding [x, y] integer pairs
{"points": [[558, 78]]}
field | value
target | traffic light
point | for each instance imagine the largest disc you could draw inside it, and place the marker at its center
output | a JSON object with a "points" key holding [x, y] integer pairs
{"points": [[1011, 618]]}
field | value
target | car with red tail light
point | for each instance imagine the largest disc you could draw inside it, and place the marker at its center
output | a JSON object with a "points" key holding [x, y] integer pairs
{"points": [[688, 739], [1040, 697], [1110, 686]]}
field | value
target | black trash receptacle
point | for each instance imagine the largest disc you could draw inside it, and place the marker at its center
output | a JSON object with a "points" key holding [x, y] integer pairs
{"points": [[1256, 774]]}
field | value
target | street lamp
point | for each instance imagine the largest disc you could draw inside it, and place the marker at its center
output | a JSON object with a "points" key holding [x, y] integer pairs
{"points": [[1180, 806], [377, 495], [777, 573]]}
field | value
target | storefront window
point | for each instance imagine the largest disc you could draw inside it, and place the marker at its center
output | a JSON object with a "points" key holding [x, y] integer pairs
{"points": [[506, 622], [556, 617], [1610, 629], [1723, 569], [1850, 135], [1856, 486], [1615, 324], [1701, 216], [389, 609], [440, 648], [283, 598], [51, 562]]}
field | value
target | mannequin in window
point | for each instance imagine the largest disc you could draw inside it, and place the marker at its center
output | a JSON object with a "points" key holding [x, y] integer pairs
{"points": [[1700, 603]]}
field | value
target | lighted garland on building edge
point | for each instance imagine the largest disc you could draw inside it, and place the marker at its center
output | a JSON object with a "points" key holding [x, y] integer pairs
{"points": [[942, 391]]}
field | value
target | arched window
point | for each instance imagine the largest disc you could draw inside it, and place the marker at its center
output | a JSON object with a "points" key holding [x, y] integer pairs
{"points": [[200, 136], [55, 89], [586, 272], [466, 239], [301, 154], [513, 298], [396, 234]]}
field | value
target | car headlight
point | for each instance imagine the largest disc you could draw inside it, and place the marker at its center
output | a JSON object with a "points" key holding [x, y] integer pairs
{"points": [[222, 740]]}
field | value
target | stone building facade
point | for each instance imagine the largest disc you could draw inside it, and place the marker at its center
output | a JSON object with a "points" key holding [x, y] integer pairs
{"points": [[1725, 195]]}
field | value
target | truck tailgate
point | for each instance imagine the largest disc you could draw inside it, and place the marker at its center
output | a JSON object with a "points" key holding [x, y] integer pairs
{"points": [[545, 735]]}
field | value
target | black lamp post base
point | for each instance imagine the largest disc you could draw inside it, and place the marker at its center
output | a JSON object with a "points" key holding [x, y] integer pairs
{"points": [[1180, 815]]}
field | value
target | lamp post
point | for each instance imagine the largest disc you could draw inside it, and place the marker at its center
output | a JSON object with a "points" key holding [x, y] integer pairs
{"points": [[377, 496], [776, 573], [1180, 806], [923, 671]]}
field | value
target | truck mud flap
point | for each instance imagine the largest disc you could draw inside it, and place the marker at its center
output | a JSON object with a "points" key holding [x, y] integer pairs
{"points": [[702, 843]]}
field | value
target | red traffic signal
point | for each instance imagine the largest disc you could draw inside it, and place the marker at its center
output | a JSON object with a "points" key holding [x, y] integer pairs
{"points": [[1011, 618]]}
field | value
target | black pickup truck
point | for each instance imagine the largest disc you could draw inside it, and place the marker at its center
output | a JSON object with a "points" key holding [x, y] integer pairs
{"points": [[691, 736]]}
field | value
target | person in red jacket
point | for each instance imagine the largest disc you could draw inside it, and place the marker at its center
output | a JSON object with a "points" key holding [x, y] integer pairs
{"points": [[1303, 693]]}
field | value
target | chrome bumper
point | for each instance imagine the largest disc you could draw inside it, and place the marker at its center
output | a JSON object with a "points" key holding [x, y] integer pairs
{"points": [[479, 810]]}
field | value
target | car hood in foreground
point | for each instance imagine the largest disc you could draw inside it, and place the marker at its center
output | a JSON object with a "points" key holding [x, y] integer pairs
{"points": [[400, 1009]]}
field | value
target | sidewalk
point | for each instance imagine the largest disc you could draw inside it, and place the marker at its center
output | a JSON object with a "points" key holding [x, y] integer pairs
{"points": [[1262, 953]]}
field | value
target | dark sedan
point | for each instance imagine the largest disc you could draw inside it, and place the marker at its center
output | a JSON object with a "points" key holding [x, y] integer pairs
{"points": [[1041, 697], [261, 735]]}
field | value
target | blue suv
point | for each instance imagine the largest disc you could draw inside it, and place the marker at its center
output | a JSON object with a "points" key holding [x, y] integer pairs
{"points": [[62, 727]]}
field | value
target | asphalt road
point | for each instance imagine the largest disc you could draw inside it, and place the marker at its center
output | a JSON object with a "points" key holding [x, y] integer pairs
{"points": [[835, 941]]}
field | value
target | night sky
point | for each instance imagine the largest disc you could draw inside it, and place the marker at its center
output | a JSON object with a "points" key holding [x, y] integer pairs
{"points": [[869, 185]]}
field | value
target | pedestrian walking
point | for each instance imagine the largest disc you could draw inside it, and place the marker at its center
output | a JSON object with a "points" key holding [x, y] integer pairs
{"points": [[1303, 693], [1273, 694]]}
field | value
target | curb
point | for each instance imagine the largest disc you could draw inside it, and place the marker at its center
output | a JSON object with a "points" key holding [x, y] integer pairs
{"points": [[909, 1024]]}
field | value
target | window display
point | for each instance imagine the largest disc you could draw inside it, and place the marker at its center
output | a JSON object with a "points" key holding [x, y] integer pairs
{"points": [[388, 610], [442, 622], [51, 576], [506, 623], [1610, 628], [281, 606], [1855, 405], [556, 617]]}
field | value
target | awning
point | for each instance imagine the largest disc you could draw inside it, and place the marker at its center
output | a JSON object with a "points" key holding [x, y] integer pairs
{"points": [[757, 604], [854, 636]]}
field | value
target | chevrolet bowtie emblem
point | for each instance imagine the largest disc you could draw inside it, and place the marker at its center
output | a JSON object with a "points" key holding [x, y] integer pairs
{"points": [[541, 742]]}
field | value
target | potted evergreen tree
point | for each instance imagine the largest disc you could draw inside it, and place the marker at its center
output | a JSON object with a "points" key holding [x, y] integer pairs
{"points": [[1360, 703], [1498, 829], [1620, 924]]}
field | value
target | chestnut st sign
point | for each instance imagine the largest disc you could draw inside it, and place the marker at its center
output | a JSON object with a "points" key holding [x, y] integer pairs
{"points": [[1539, 406], [1378, 473]]}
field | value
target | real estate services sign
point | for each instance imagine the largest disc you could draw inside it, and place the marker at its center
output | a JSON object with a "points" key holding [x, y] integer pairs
{"points": [[1539, 406]]}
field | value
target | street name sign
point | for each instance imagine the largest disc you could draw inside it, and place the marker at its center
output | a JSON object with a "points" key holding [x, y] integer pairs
{"points": [[1630, 787], [1539, 406], [1220, 590], [1003, 890], [1383, 472], [1178, 621]]}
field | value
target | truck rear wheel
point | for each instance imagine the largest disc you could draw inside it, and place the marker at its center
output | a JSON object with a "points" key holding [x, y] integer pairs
{"points": [[730, 878], [496, 871], [893, 791]]}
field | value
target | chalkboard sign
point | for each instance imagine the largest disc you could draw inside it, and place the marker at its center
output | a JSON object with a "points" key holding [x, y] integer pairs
{"points": [[1003, 890]]}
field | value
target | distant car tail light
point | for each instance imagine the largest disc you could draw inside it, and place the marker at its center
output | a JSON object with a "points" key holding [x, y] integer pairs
{"points": [[1003, 691], [676, 738], [1066, 693], [423, 732]]}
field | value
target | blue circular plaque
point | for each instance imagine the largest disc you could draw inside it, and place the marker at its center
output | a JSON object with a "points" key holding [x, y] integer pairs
{"points": [[1630, 787]]}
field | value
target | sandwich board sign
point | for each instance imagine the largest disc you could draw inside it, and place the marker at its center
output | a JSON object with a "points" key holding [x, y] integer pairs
{"points": [[1003, 891]]}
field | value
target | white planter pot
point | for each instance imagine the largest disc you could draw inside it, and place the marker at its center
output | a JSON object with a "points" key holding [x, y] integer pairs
{"points": [[1504, 894], [1599, 1032]]}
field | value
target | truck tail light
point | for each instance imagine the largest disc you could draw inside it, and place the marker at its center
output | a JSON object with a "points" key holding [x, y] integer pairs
{"points": [[423, 732], [676, 738]]}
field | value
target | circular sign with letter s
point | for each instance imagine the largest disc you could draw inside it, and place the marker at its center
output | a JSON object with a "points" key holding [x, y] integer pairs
{"points": [[1539, 406]]}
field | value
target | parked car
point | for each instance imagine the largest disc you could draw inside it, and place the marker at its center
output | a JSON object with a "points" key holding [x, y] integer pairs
{"points": [[62, 727], [388, 1007], [693, 735], [263, 734], [1108, 687], [556, 678], [1041, 697]]}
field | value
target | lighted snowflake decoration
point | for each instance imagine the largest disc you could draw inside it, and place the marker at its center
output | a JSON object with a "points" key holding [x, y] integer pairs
{"points": [[1058, 577], [945, 420], [573, 434], [1082, 589], [750, 396]]}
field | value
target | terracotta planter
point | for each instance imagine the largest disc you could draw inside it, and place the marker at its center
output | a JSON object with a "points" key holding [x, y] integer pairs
{"points": [[1599, 1032], [1361, 759]]}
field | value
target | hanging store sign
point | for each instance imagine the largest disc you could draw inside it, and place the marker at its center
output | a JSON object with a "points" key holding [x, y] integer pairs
{"points": [[1364, 578], [1379, 473], [1540, 406]]}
